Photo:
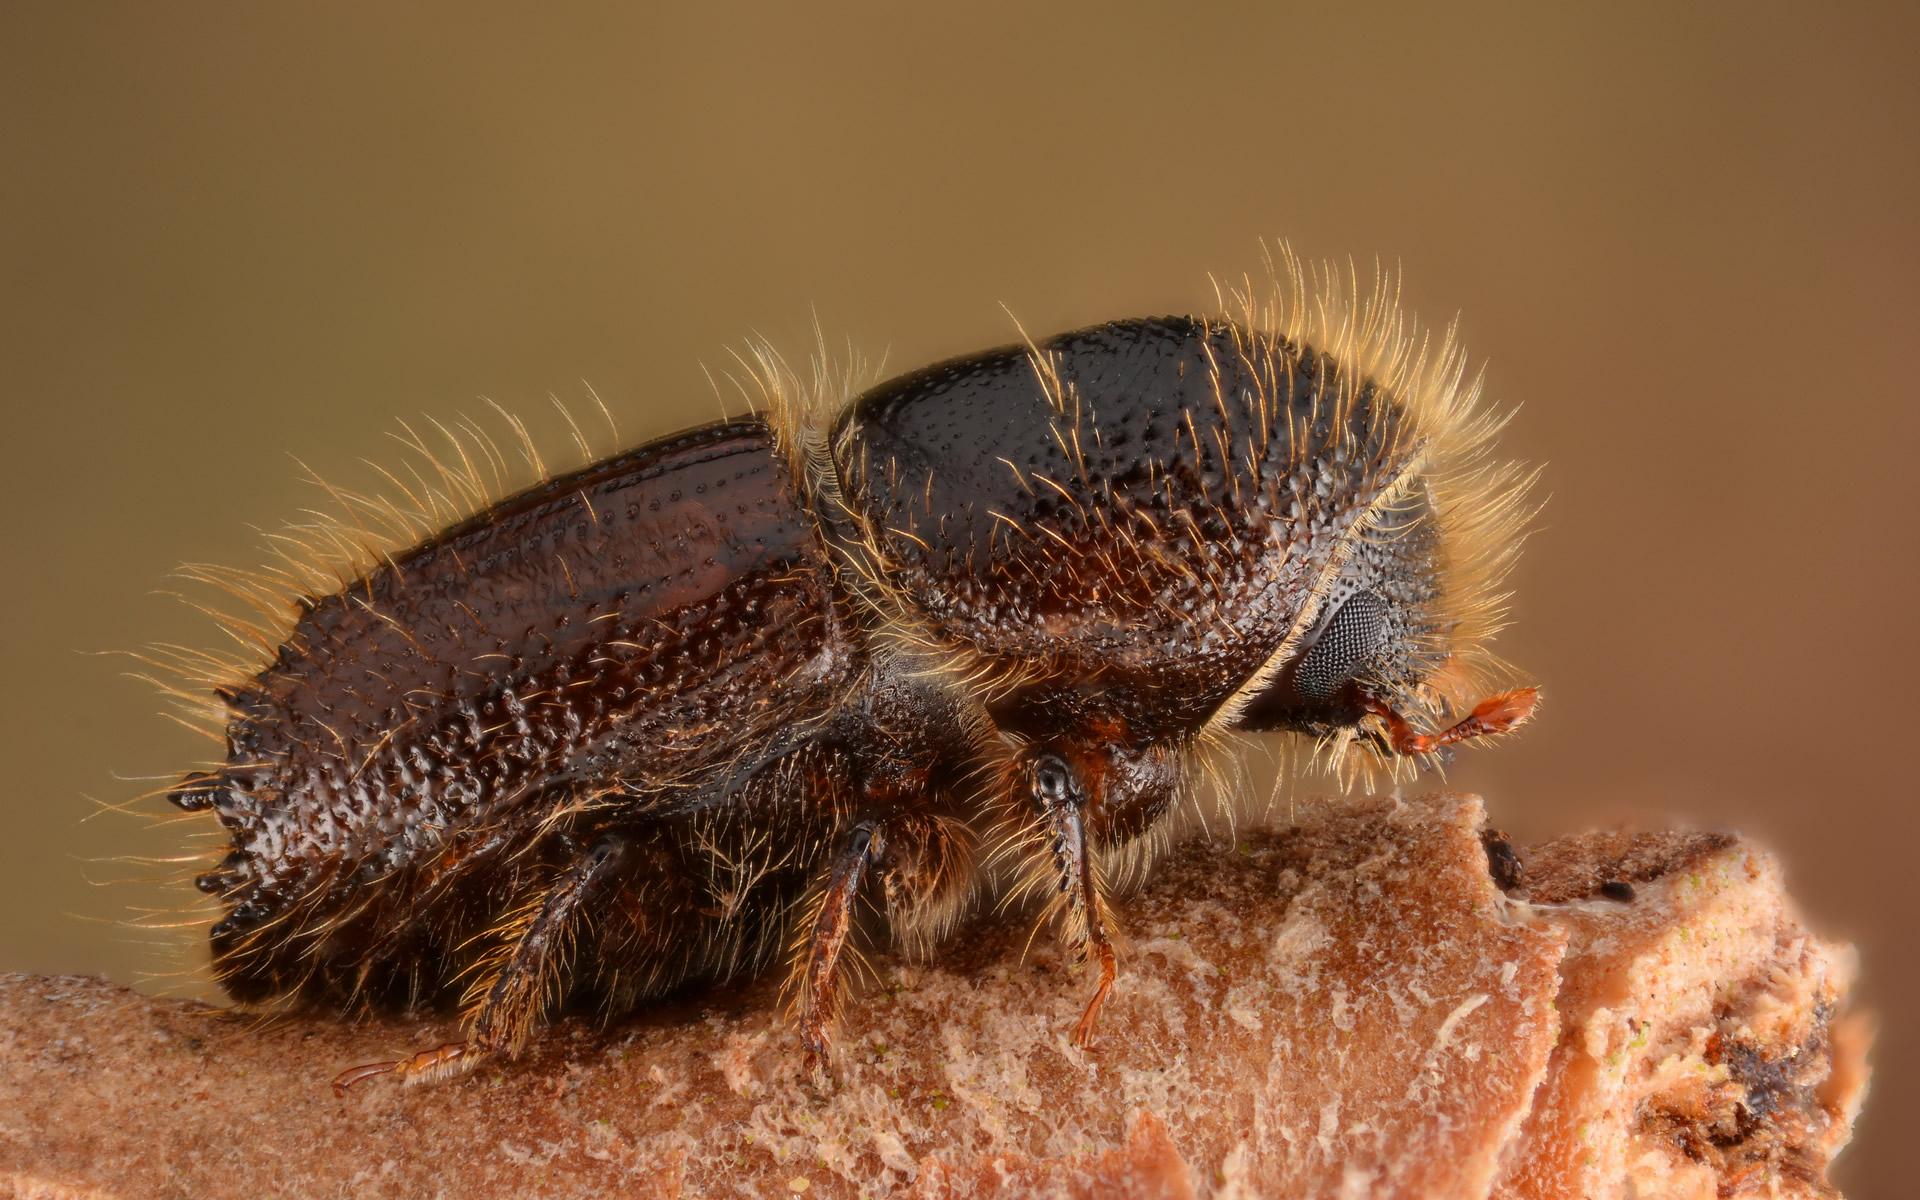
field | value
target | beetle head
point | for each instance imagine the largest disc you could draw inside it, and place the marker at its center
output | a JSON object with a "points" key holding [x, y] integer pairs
{"points": [[1378, 662]]}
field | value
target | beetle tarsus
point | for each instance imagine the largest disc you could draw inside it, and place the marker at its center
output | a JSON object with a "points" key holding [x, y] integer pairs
{"points": [[442, 1062], [1109, 966]]}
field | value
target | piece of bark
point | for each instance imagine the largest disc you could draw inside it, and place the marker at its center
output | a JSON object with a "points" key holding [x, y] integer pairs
{"points": [[1699, 1055], [1350, 1007]]}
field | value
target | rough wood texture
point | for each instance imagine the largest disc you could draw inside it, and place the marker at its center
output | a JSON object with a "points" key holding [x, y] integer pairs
{"points": [[1350, 1007]]}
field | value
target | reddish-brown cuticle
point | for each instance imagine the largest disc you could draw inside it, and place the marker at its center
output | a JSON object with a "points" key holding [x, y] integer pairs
{"points": [[712, 704]]}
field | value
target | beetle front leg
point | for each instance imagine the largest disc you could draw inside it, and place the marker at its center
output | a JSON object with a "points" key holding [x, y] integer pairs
{"points": [[1079, 895]]}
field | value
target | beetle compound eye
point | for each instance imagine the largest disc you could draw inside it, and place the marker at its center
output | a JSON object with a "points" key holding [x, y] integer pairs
{"points": [[1052, 781], [1351, 641]]}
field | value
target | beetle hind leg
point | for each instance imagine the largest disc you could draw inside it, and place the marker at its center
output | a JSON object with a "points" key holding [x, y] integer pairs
{"points": [[524, 980], [520, 982]]}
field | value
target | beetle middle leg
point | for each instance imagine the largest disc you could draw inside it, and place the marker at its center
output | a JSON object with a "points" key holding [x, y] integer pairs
{"points": [[520, 982], [921, 862], [827, 935]]}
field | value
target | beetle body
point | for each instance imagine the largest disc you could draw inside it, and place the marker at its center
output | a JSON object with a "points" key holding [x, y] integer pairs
{"points": [[704, 704]]}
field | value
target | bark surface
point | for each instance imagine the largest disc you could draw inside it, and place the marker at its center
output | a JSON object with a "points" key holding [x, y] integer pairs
{"points": [[1381, 1000]]}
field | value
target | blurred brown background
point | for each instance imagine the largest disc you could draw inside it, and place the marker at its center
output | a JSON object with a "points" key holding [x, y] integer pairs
{"points": [[1684, 239]]}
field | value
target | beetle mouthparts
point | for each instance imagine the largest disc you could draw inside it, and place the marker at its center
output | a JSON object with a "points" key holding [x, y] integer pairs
{"points": [[1498, 713]]}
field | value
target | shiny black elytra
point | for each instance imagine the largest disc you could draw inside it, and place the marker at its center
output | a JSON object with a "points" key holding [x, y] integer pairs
{"points": [[695, 708]]}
